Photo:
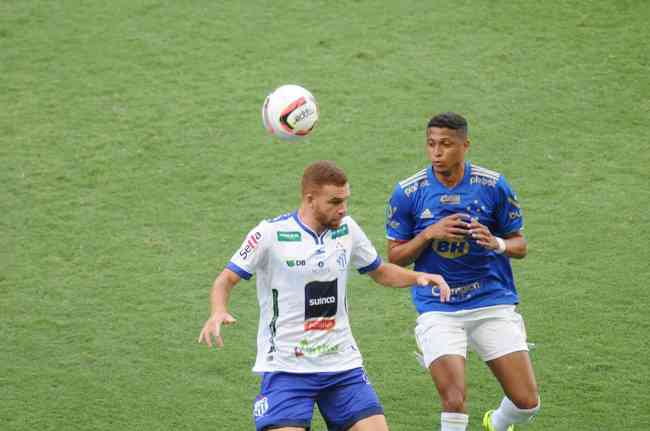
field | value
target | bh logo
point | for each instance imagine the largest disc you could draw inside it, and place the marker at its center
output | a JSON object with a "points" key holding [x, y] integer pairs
{"points": [[450, 249], [260, 407]]}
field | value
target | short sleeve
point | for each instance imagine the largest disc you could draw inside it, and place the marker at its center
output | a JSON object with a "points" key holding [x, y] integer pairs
{"points": [[363, 256], [251, 253], [508, 211], [399, 217]]}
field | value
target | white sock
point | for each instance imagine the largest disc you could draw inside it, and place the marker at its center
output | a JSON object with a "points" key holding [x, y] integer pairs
{"points": [[453, 421], [508, 414]]}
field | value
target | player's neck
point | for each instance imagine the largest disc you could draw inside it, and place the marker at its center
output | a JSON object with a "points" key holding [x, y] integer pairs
{"points": [[452, 177], [308, 219]]}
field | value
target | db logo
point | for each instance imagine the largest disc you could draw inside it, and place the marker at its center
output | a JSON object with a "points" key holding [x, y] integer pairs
{"points": [[450, 249]]}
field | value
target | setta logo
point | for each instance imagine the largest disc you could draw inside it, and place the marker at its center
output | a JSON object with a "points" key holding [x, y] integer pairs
{"points": [[250, 245]]}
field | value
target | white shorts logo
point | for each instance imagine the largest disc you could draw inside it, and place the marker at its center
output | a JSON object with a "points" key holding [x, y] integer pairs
{"points": [[260, 407]]}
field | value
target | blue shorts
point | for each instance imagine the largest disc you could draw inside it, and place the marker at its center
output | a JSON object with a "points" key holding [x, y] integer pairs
{"points": [[287, 399]]}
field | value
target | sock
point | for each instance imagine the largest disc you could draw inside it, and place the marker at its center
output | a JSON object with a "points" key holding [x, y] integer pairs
{"points": [[453, 421], [508, 414]]}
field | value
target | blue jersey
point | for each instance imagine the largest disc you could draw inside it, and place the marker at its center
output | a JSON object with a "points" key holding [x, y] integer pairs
{"points": [[477, 276]]}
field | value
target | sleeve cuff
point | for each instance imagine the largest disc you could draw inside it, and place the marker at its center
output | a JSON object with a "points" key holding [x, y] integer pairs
{"points": [[239, 271], [374, 265]]}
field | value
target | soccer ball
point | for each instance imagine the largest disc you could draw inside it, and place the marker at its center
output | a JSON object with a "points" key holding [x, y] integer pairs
{"points": [[290, 112]]}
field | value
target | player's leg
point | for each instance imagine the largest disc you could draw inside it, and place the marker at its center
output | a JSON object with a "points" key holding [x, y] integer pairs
{"points": [[499, 337], [350, 403], [521, 403], [372, 423], [448, 374], [285, 402], [443, 341]]}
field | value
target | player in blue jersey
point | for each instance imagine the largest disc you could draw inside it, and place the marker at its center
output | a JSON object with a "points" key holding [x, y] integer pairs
{"points": [[306, 353], [463, 221]]}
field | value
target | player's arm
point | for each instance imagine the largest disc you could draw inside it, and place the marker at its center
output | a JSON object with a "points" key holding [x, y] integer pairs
{"points": [[392, 275], [404, 253], [219, 296], [451, 228]]}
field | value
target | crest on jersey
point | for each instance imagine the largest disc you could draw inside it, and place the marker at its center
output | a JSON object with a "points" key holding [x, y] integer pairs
{"points": [[342, 260]]}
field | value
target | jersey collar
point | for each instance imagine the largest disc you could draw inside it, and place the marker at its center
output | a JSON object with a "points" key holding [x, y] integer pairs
{"points": [[319, 239], [466, 174]]}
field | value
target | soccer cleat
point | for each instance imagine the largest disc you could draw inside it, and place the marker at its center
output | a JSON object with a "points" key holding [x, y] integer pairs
{"points": [[487, 422]]}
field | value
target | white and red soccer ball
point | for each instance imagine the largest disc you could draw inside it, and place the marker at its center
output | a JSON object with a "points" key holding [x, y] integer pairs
{"points": [[290, 112]]}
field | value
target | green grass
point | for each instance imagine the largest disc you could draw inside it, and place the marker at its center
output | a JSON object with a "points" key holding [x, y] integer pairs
{"points": [[133, 161]]}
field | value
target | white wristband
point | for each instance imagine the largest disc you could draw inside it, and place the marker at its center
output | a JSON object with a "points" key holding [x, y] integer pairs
{"points": [[501, 245]]}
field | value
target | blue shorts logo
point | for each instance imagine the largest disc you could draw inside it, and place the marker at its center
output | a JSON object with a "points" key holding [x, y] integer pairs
{"points": [[260, 407]]}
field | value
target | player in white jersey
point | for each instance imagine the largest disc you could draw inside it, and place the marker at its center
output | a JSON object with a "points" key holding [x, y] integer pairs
{"points": [[305, 349]]}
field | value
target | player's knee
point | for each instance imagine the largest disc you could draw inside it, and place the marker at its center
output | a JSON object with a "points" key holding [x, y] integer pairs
{"points": [[453, 399]]}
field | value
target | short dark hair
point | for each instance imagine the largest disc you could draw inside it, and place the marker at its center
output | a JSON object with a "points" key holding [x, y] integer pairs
{"points": [[449, 120], [321, 173]]}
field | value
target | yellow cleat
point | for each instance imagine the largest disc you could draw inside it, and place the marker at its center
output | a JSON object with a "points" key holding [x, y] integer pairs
{"points": [[487, 422]]}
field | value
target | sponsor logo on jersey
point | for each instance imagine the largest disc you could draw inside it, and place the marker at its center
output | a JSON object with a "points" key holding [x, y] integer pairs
{"points": [[426, 214], [250, 245], [260, 407], [321, 298], [450, 249], [341, 231], [450, 199], [304, 348], [390, 212], [461, 293], [289, 236], [410, 189], [321, 301], [483, 181], [296, 262]]}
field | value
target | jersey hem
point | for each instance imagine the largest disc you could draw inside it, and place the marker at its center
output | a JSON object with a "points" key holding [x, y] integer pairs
{"points": [[449, 308], [294, 371]]}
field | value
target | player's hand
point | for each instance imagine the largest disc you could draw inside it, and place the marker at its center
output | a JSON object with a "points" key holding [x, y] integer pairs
{"points": [[212, 328], [482, 235], [425, 279], [454, 227]]}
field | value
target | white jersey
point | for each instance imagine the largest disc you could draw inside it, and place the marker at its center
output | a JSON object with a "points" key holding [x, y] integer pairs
{"points": [[301, 289]]}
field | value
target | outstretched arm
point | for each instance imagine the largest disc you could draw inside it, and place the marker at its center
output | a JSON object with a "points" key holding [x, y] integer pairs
{"points": [[219, 296], [392, 275]]}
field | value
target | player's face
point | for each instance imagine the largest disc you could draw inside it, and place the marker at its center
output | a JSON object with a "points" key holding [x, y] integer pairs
{"points": [[330, 205], [446, 149]]}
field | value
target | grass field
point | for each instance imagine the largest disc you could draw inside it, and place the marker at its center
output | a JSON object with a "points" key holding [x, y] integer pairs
{"points": [[133, 161]]}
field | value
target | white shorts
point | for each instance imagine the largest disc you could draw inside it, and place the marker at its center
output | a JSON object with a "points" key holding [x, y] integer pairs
{"points": [[491, 332]]}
